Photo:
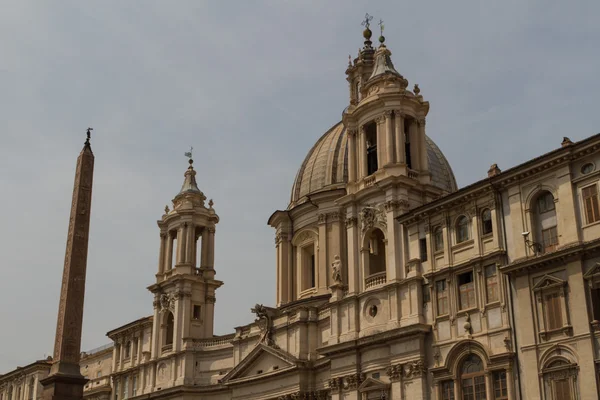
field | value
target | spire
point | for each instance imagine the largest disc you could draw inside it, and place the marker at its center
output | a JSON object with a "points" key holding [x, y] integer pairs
{"points": [[367, 32], [65, 380], [189, 183], [383, 61]]}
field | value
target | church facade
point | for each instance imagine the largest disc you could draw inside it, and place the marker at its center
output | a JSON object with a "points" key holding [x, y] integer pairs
{"points": [[391, 282]]}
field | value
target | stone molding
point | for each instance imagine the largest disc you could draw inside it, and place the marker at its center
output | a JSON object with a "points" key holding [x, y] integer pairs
{"points": [[347, 382], [306, 395], [409, 370]]}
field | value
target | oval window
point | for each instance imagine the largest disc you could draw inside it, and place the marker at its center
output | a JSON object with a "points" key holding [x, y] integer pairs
{"points": [[587, 168]]}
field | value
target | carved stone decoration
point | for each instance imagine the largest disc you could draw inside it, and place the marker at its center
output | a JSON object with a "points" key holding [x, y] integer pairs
{"points": [[394, 372], [351, 222], [321, 219], [335, 383], [333, 216], [265, 322], [304, 236], [336, 269], [167, 302], [371, 216], [414, 369]]}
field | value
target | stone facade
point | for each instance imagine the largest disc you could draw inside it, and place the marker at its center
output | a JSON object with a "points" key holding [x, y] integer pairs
{"points": [[391, 284]]}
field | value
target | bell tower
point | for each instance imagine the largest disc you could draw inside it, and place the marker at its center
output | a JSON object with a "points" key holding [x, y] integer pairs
{"points": [[384, 120], [184, 292]]}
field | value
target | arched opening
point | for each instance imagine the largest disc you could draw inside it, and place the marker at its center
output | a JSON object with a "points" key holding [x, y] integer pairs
{"points": [[376, 252], [544, 221], [560, 380], [472, 378], [462, 229], [199, 247], [407, 143], [172, 257], [371, 136], [486, 222], [169, 329]]}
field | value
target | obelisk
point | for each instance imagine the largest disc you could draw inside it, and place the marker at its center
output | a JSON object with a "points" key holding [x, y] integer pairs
{"points": [[65, 381]]}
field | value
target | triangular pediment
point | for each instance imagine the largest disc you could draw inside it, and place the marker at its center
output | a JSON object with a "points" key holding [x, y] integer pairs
{"points": [[595, 270], [547, 282], [262, 360], [371, 384]]}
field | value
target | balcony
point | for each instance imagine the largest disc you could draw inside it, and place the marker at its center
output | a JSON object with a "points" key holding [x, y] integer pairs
{"points": [[375, 280]]}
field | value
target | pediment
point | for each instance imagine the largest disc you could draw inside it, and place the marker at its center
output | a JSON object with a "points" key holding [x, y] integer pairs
{"points": [[371, 384], [595, 270], [547, 282], [262, 360]]}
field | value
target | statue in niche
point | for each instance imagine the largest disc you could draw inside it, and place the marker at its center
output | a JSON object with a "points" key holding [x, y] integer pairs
{"points": [[336, 269]]}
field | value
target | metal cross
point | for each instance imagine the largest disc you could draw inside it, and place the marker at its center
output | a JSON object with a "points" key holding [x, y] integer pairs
{"points": [[381, 26], [188, 154], [367, 22], [89, 133]]}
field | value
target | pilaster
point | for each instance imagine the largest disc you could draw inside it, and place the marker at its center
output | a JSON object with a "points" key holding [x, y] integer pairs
{"points": [[400, 140], [389, 137]]}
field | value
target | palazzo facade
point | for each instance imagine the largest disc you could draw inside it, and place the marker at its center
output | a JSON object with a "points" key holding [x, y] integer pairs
{"points": [[391, 282]]}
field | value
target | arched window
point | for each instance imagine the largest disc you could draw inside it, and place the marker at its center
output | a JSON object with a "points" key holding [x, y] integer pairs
{"points": [[486, 221], [544, 221], [169, 329], [472, 378], [462, 229], [376, 252], [560, 379], [31, 388], [438, 238]]}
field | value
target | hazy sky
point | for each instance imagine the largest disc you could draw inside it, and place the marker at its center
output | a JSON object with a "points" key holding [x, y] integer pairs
{"points": [[252, 86]]}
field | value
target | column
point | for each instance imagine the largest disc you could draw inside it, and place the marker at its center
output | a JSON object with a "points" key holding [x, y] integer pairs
{"points": [[204, 253], [510, 384], [352, 155], [140, 343], [389, 138], [380, 141], [161, 257], [362, 153], [189, 244], [169, 260], [155, 350], [424, 163], [322, 275], [488, 385], [121, 353], [180, 244], [210, 256], [115, 356], [415, 144], [283, 276], [399, 131]]}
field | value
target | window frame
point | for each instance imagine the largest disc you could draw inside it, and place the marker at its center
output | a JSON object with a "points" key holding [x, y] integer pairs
{"points": [[461, 229], [487, 230], [556, 288], [469, 291], [438, 239], [489, 283], [594, 204], [444, 297], [423, 249]]}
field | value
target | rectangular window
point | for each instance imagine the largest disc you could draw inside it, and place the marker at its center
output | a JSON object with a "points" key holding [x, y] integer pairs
{"points": [[447, 390], [126, 388], [590, 203], [466, 290], [423, 249], [441, 290], [197, 310], [595, 304], [438, 236], [500, 387], [549, 238], [553, 311], [491, 283]]}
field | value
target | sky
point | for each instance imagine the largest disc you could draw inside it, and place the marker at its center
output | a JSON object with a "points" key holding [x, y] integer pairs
{"points": [[251, 86]]}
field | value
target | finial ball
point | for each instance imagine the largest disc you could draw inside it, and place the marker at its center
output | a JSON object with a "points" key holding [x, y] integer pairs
{"points": [[367, 34]]}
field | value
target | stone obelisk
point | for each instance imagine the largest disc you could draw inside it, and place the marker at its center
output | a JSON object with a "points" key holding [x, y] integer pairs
{"points": [[65, 381]]}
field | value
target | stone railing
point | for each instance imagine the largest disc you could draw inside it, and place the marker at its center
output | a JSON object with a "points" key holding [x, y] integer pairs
{"points": [[370, 181], [215, 341], [167, 348], [413, 174], [375, 280]]}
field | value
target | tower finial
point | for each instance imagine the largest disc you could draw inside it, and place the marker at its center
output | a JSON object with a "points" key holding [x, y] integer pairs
{"points": [[89, 134], [381, 37], [188, 154], [367, 32]]}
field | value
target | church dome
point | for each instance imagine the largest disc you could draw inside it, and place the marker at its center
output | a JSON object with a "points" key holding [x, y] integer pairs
{"points": [[326, 166]]}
